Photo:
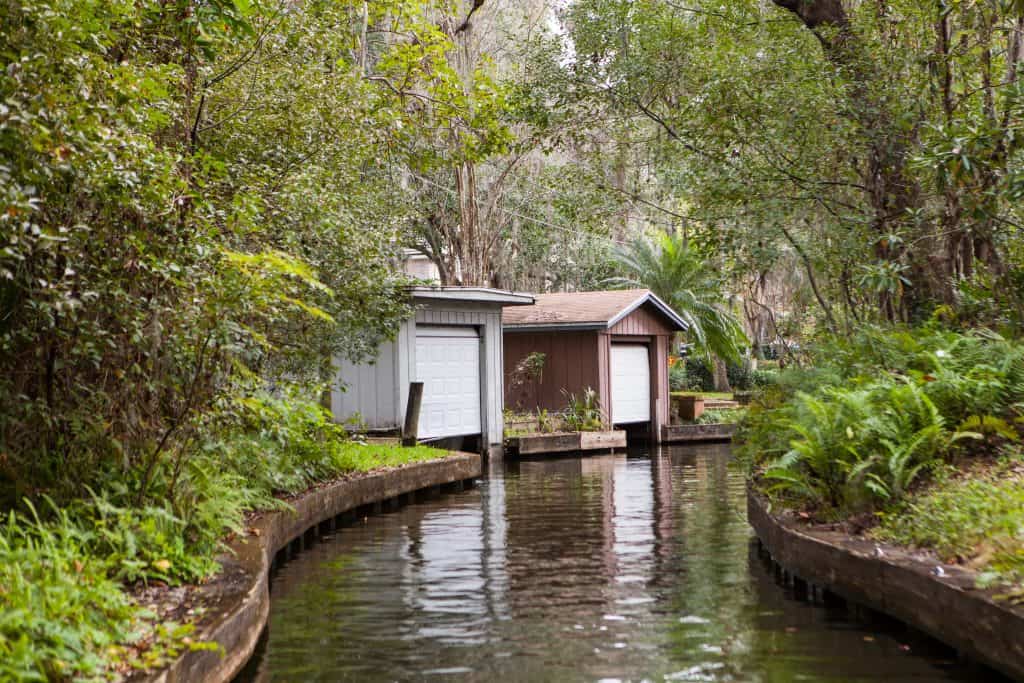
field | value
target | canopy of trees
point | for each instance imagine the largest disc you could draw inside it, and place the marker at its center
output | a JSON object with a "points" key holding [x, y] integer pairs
{"points": [[200, 194]]}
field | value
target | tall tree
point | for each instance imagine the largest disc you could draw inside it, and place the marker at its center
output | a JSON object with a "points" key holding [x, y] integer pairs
{"points": [[875, 140]]}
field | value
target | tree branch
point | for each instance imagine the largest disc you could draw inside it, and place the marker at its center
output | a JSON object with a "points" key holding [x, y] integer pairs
{"points": [[810, 277], [465, 25]]}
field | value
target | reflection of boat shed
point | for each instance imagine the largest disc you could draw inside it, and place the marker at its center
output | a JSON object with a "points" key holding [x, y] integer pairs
{"points": [[453, 345], [616, 342]]}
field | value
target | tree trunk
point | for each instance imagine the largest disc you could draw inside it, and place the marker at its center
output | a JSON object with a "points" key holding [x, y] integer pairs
{"points": [[720, 375], [889, 189]]}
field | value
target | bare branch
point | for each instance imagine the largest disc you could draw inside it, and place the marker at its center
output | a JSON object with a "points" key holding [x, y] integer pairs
{"points": [[465, 25]]}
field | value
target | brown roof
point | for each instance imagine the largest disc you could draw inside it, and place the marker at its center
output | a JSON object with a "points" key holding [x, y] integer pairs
{"points": [[584, 309]]}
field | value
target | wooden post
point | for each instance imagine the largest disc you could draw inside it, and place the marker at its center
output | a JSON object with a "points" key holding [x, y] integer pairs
{"points": [[412, 414]]}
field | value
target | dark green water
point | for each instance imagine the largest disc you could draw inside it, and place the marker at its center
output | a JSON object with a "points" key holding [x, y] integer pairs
{"points": [[576, 569]]}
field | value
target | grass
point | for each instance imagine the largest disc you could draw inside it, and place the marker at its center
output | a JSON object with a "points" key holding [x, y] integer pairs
{"points": [[974, 517], [357, 457], [720, 395]]}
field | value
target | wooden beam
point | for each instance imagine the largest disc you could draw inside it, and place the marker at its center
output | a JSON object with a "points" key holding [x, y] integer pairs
{"points": [[412, 414]]}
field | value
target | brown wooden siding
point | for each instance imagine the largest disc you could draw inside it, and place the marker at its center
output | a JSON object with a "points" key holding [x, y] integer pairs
{"points": [[645, 321], [659, 387], [571, 363], [604, 364], [577, 360]]}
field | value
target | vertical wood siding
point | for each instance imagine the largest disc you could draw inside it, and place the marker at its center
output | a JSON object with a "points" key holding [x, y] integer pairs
{"points": [[644, 321], [604, 365], [571, 364], [659, 385], [380, 391], [369, 389], [576, 360]]}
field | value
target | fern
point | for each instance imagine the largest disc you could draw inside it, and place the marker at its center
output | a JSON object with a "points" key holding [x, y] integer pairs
{"points": [[989, 426]]}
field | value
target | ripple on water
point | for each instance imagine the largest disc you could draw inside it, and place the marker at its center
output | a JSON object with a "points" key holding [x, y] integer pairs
{"points": [[607, 568]]}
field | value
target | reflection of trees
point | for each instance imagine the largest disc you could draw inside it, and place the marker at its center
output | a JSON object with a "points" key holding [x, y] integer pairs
{"points": [[323, 593], [663, 514], [500, 581], [712, 551]]}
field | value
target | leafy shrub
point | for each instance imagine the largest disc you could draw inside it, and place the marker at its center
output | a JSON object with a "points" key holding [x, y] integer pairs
{"points": [[761, 378], [741, 376], [279, 444], [680, 379], [546, 422], [700, 376], [144, 543], [881, 410], [677, 377], [721, 416], [849, 449]]}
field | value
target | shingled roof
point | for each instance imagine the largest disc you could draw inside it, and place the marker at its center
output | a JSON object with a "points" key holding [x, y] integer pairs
{"points": [[585, 310]]}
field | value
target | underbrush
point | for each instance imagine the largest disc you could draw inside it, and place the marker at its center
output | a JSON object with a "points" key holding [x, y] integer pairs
{"points": [[66, 572], [721, 416], [60, 611], [975, 517], [879, 413], [876, 427], [582, 413]]}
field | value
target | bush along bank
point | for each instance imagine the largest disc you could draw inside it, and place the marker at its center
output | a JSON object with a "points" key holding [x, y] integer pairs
{"points": [[97, 587], [907, 436]]}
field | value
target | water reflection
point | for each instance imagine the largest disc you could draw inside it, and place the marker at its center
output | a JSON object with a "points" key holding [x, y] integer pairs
{"points": [[599, 568]]}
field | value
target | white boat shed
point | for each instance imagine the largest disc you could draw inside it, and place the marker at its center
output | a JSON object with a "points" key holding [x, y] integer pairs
{"points": [[453, 344]]}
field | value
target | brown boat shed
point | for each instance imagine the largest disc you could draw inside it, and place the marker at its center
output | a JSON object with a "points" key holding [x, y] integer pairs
{"points": [[616, 342]]}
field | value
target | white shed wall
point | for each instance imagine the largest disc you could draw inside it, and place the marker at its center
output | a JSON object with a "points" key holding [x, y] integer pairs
{"points": [[369, 389], [380, 391]]}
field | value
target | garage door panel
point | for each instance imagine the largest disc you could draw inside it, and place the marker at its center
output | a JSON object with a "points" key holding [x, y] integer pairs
{"points": [[631, 383], [448, 364]]}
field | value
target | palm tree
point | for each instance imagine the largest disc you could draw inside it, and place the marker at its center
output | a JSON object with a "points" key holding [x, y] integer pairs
{"points": [[677, 274]]}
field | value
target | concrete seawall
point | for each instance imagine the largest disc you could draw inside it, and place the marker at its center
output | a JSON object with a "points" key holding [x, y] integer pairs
{"points": [[944, 604], [240, 593]]}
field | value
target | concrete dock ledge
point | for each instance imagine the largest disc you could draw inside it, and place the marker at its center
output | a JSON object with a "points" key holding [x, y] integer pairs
{"points": [[944, 604], [566, 442], [240, 595], [695, 433]]}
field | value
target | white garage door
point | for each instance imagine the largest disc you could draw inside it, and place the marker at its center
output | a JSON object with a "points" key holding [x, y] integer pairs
{"points": [[631, 384], [448, 364]]}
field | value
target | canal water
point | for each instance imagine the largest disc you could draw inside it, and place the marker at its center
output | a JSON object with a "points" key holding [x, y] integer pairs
{"points": [[601, 568]]}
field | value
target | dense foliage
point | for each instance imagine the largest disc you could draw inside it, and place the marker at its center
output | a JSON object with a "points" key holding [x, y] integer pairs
{"points": [[193, 192], [65, 613], [881, 410], [202, 203], [847, 162]]}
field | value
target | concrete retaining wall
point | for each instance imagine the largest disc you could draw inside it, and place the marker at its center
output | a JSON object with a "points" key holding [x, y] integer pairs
{"points": [[892, 580], [697, 433], [566, 442], [241, 592]]}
